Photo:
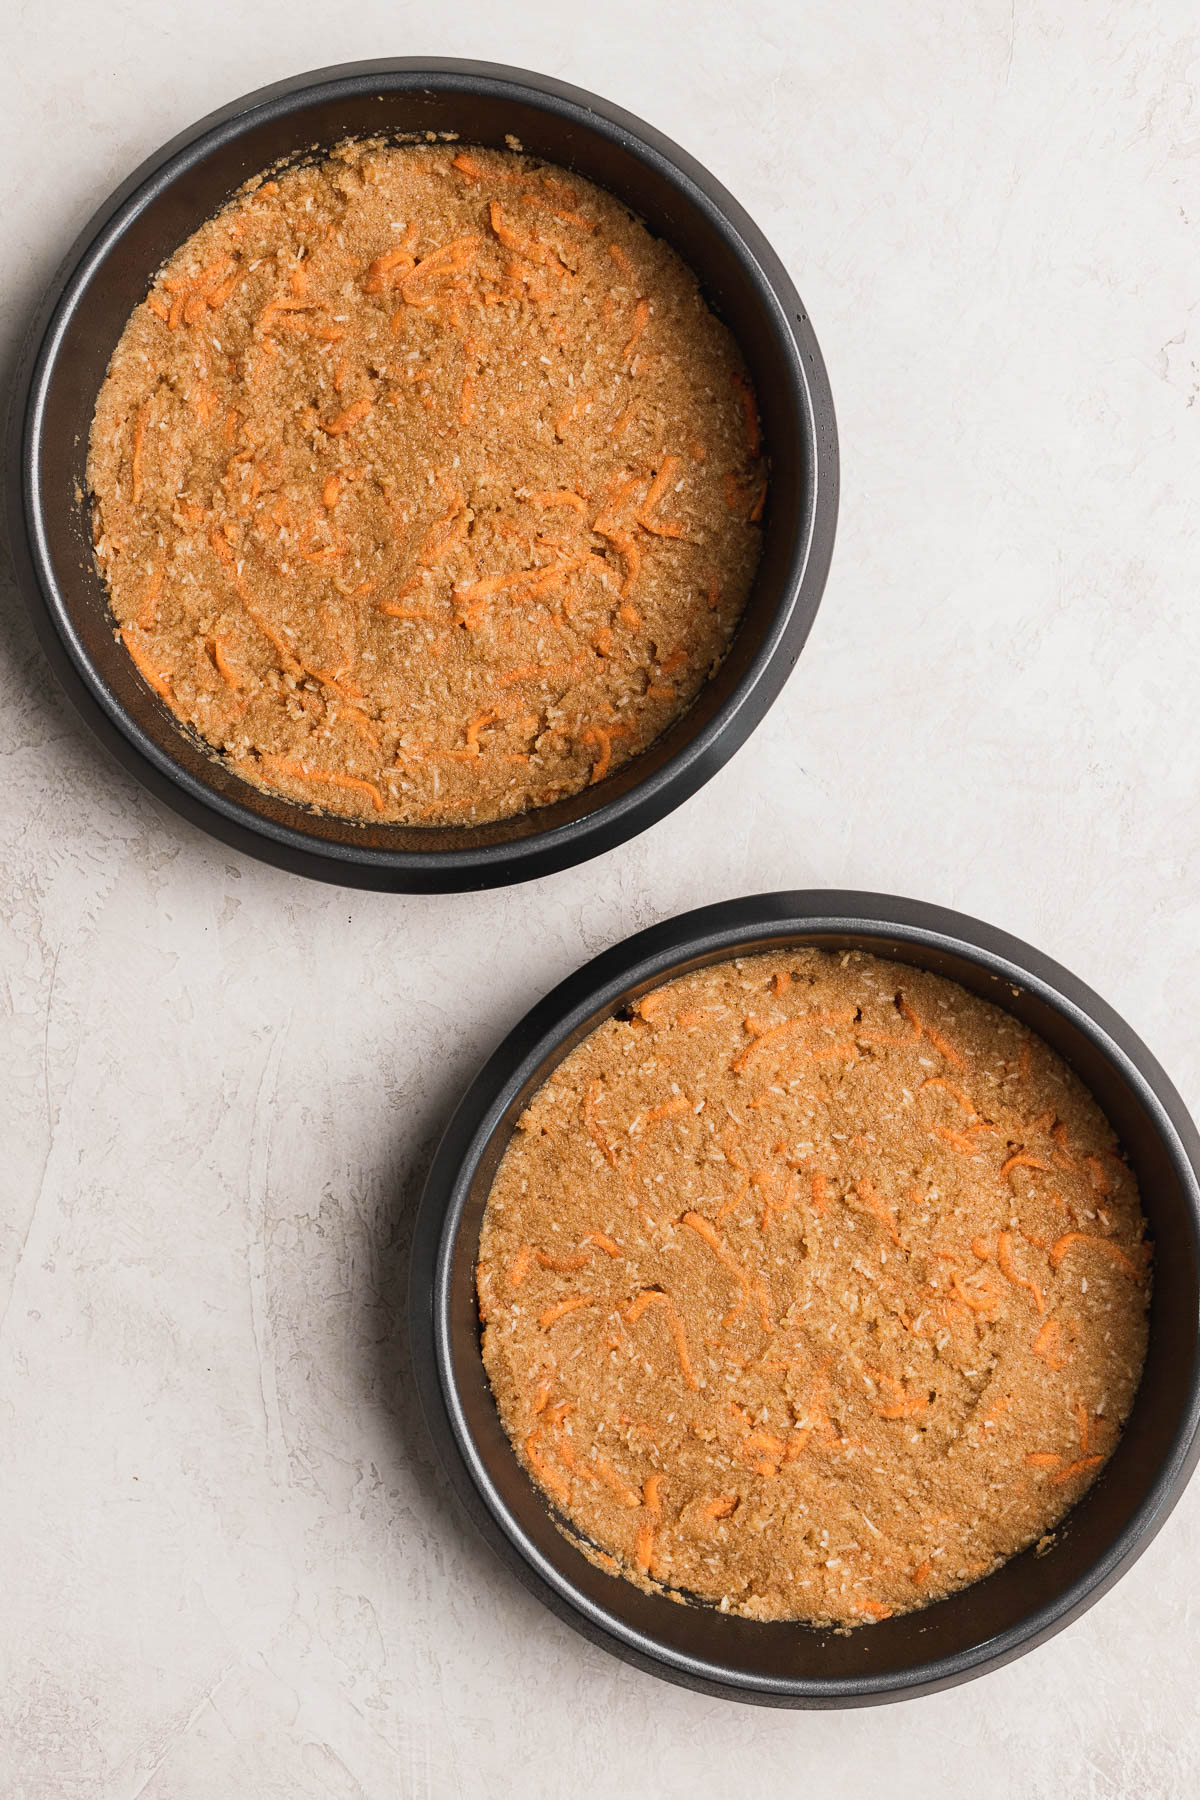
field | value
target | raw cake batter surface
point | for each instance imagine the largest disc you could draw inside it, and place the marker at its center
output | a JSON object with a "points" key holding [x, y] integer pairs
{"points": [[815, 1288], [426, 487]]}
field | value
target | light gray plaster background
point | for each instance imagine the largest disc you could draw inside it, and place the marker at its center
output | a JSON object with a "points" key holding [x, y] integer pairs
{"points": [[228, 1568]]}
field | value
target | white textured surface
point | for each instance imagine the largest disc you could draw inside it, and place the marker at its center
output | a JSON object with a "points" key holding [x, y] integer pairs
{"points": [[228, 1565]]}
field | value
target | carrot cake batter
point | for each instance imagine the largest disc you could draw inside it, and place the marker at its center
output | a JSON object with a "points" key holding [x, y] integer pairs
{"points": [[816, 1288], [426, 486]]}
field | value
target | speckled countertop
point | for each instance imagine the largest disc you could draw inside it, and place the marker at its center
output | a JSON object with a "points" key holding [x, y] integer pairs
{"points": [[230, 1567]]}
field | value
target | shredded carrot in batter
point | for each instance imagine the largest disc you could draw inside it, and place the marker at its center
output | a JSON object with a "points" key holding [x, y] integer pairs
{"points": [[1075, 1469], [300, 771], [641, 318], [978, 1299], [224, 667], [948, 1087], [1045, 1342], [560, 497], [1022, 1161], [353, 415], [440, 265], [561, 1308], [1113, 1251], [605, 1243], [158, 681], [595, 734], [720, 1507], [654, 1297], [549, 1478], [148, 611], [874, 1205], [707, 1232], [1098, 1175], [902, 1406], [592, 1124], [1008, 1270], [771, 1034], [562, 1265], [964, 1145]]}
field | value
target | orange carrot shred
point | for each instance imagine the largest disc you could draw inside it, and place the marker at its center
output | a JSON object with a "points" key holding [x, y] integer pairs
{"points": [[592, 1124], [560, 497], [595, 734], [548, 1477], [958, 1140], [158, 681], [1045, 1342], [561, 1308], [720, 1507], [948, 1087], [603, 1242], [1078, 1468], [654, 1297], [224, 667], [772, 1034], [641, 318], [644, 1548], [1022, 1161], [562, 1265], [1008, 1270], [977, 1299], [874, 1205], [353, 415], [1098, 1175], [148, 611], [1113, 1251], [301, 771]]}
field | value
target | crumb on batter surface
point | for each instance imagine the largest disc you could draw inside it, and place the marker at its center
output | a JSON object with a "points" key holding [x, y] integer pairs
{"points": [[426, 487], [815, 1289]]}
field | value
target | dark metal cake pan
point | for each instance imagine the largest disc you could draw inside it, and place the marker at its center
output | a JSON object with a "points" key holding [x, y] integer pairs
{"points": [[782, 1664], [108, 272]]}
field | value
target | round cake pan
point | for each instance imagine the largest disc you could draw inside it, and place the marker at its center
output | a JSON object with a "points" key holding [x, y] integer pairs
{"points": [[109, 271], [787, 1664]]}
